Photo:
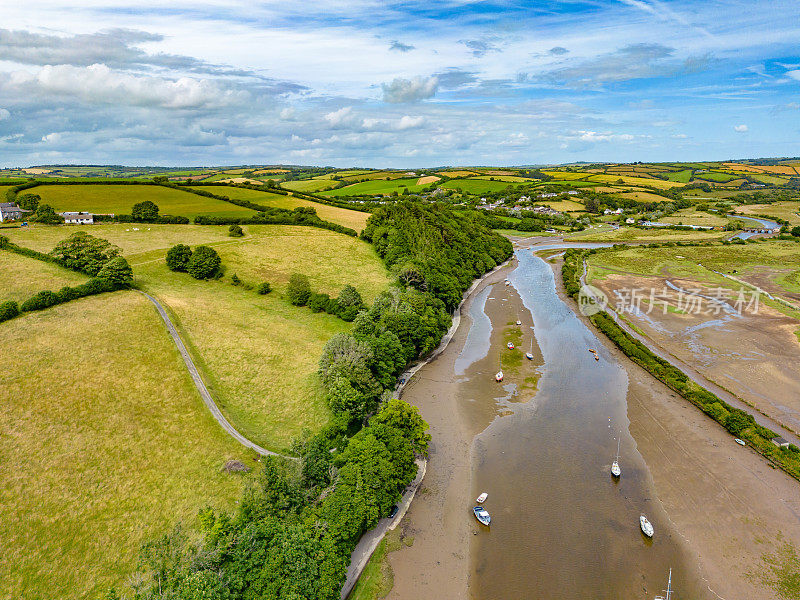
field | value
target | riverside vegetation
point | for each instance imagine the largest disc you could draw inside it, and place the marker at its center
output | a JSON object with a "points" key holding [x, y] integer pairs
{"points": [[294, 529]]}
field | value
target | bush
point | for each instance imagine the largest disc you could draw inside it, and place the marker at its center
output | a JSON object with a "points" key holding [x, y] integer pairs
{"points": [[84, 252], [235, 230], [264, 288], [318, 302], [204, 263], [41, 300], [117, 271], [299, 289], [178, 257], [8, 310], [145, 212], [796, 231], [235, 279]]}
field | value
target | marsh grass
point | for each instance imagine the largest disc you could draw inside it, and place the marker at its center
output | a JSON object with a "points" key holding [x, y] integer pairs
{"points": [[105, 443]]}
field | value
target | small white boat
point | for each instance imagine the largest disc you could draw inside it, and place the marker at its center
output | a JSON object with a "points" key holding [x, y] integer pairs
{"points": [[482, 515], [519, 322], [510, 345], [647, 527], [529, 355], [615, 470], [498, 377], [482, 498], [740, 442]]}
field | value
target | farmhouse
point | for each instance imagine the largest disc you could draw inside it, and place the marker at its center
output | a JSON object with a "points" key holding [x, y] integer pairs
{"points": [[78, 218], [780, 442], [10, 211]]}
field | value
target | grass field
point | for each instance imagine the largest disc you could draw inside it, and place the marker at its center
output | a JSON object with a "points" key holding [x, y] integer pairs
{"points": [[567, 175], [690, 216], [717, 177], [106, 446], [349, 218], [377, 186], [562, 205], [119, 199], [457, 173], [656, 183], [258, 353], [783, 210], [21, 277], [680, 176], [506, 178], [633, 234], [477, 186], [642, 196], [309, 185]]}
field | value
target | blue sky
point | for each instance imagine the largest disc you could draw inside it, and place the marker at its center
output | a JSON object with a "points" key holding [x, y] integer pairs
{"points": [[407, 84]]}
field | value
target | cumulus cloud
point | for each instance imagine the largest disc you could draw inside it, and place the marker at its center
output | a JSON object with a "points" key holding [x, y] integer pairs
{"points": [[340, 117], [794, 74], [410, 90], [740, 128], [452, 78], [97, 84], [400, 46], [408, 122], [479, 47]]}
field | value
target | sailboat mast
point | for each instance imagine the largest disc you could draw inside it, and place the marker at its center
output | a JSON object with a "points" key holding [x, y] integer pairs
{"points": [[619, 437], [669, 586]]}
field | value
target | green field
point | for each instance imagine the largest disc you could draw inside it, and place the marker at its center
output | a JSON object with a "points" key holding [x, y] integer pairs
{"points": [[106, 446], [474, 185], [680, 176], [656, 183], [309, 185], [789, 211], [349, 218], [717, 177], [377, 186], [22, 277], [655, 234], [690, 216], [119, 199]]}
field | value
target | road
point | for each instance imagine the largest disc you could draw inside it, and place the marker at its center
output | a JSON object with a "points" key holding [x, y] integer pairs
{"points": [[201, 387]]}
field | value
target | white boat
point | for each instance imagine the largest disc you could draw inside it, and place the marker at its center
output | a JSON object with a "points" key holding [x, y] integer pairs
{"points": [[529, 355], [615, 470], [740, 442], [510, 345], [482, 515], [668, 591], [647, 527], [519, 322], [482, 498], [498, 377]]}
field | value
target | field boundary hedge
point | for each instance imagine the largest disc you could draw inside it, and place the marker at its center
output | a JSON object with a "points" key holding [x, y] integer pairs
{"points": [[736, 421]]}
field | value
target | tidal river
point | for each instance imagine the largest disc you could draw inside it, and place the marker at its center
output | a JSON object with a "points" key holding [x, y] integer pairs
{"points": [[562, 527]]}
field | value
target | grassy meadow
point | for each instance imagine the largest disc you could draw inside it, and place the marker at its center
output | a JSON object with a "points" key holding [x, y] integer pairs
{"points": [[105, 444], [789, 211], [377, 186], [119, 199], [309, 185], [655, 234], [22, 277]]}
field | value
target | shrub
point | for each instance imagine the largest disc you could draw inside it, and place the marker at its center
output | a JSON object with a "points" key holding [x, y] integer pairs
{"points": [[796, 231], [39, 301], [235, 230], [8, 310], [349, 296], [47, 215], [117, 271], [235, 279], [318, 302], [299, 289], [178, 257], [264, 288], [204, 263]]}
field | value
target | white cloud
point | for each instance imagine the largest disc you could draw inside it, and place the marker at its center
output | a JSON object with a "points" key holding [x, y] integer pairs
{"points": [[795, 74], [410, 90], [4, 114], [740, 128], [340, 117], [408, 122], [97, 84], [679, 136]]}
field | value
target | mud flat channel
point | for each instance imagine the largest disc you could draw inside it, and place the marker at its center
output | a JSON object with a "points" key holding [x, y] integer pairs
{"points": [[541, 444]]}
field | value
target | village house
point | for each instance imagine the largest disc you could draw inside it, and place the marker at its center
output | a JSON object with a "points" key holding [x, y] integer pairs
{"points": [[9, 211], [78, 218], [780, 442]]}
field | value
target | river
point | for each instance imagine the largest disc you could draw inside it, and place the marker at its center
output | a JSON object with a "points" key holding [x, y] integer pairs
{"points": [[562, 527]]}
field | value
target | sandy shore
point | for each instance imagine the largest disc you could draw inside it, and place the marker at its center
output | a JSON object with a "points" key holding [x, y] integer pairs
{"points": [[441, 534]]}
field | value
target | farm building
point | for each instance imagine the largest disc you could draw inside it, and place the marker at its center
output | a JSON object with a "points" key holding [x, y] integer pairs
{"points": [[780, 442], [78, 218], [10, 211]]}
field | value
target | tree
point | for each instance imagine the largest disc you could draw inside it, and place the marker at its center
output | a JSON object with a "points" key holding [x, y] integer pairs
{"points": [[178, 257], [403, 417], [204, 263], [235, 231], [349, 296], [299, 289], [29, 201], [84, 252], [264, 288], [117, 271], [145, 212], [796, 231], [47, 215]]}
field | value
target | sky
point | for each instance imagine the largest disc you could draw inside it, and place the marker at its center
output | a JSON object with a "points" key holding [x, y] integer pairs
{"points": [[385, 83]]}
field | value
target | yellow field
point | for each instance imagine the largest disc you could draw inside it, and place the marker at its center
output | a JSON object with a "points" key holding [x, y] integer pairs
{"points": [[107, 445], [22, 277], [509, 178], [457, 173], [778, 169], [428, 179], [566, 175], [563, 205], [642, 196], [656, 183]]}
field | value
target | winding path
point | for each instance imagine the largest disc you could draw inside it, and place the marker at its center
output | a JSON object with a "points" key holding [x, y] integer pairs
{"points": [[201, 387]]}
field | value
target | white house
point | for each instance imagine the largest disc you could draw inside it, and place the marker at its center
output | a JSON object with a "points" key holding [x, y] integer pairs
{"points": [[10, 211], [78, 218]]}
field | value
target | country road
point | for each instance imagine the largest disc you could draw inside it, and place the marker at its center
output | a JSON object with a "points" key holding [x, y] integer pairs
{"points": [[201, 387]]}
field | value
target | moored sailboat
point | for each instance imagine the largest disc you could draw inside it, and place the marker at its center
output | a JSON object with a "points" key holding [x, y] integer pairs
{"points": [[529, 355], [668, 591], [615, 470], [647, 527]]}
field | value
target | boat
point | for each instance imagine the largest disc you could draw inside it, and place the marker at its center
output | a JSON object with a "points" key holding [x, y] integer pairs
{"points": [[529, 355], [740, 442], [482, 515], [592, 350], [510, 345], [482, 498], [519, 322], [647, 527], [669, 590], [498, 377], [615, 470], [596, 357]]}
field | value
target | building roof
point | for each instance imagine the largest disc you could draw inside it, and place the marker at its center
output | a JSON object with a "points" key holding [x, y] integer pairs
{"points": [[9, 206]]}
